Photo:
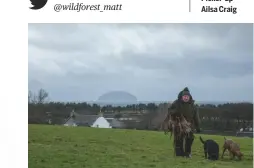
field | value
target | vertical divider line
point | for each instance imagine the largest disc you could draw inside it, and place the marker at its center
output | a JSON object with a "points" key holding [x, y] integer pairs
{"points": [[189, 5]]}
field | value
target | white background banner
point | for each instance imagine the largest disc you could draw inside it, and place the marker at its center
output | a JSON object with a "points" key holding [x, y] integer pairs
{"points": [[142, 11]]}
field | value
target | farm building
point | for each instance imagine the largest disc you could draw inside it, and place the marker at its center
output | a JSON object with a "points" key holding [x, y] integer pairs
{"points": [[98, 121]]}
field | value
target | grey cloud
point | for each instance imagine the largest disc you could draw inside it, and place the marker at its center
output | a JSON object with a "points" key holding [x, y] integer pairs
{"points": [[192, 66], [152, 61]]}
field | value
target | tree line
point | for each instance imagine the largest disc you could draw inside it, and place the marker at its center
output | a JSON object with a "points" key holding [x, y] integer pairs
{"points": [[223, 117]]}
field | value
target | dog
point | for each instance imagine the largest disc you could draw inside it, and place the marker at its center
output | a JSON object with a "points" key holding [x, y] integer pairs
{"points": [[234, 150], [226, 145], [211, 148]]}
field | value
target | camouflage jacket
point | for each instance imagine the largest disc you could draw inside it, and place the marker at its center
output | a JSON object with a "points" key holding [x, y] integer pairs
{"points": [[188, 110]]}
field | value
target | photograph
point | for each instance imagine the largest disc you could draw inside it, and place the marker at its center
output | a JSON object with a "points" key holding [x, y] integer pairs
{"points": [[140, 95]]}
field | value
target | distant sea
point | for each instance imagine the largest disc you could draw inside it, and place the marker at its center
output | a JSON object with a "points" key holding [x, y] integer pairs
{"points": [[156, 102]]}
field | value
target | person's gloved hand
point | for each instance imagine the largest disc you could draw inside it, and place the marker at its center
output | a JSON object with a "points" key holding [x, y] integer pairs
{"points": [[198, 130]]}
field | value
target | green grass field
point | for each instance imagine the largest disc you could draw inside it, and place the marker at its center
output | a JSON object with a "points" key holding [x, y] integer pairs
{"points": [[80, 147]]}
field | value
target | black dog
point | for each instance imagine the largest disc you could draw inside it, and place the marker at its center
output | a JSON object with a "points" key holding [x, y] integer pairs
{"points": [[211, 148]]}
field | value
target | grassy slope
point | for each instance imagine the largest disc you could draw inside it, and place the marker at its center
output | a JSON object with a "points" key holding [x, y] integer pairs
{"points": [[66, 147]]}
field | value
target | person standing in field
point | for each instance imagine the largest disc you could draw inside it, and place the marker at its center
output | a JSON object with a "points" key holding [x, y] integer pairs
{"points": [[184, 117]]}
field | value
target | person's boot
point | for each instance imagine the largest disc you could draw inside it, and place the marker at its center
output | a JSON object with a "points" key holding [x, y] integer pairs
{"points": [[179, 148], [188, 144]]}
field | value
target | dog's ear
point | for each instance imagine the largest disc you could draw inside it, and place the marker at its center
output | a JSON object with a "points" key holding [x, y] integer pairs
{"points": [[201, 140]]}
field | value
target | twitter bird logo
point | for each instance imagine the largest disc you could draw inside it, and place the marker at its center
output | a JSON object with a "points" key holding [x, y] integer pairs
{"points": [[38, 4]]}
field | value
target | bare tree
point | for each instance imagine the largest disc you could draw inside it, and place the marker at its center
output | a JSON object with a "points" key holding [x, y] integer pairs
{"points": [[30, 95], [42, 96], [32, 98]]}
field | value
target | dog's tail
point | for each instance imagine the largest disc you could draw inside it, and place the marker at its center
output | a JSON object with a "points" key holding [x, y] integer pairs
{"points": [[201, 140]]}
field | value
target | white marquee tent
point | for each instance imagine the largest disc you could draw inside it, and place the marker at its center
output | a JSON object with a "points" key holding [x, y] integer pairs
{"points": [[101, 122]]}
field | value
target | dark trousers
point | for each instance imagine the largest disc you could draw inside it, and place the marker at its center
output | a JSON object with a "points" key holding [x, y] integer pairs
{"points": [[180, 149]]}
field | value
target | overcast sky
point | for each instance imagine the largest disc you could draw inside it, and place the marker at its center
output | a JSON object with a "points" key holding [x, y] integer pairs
{"points": [[80, 62]]}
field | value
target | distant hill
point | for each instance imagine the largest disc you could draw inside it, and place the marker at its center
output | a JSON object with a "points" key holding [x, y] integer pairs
{"points": [[117, 97]]}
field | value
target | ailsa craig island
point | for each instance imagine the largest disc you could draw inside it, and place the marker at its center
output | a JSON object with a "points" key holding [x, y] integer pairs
{"points": [[230, 9]]}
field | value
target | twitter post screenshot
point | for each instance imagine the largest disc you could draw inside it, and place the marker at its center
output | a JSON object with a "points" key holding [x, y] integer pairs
{"points": [[127, 84]]}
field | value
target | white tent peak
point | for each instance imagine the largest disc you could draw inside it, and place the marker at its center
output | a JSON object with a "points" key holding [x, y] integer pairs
{"points": [[101, 122]]}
